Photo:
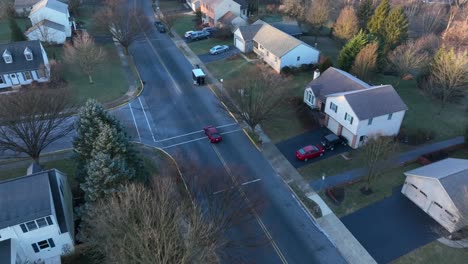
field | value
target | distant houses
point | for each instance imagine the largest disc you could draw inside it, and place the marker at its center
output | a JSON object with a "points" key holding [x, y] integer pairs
{"points": [[23, 7], [222, 13], [22, 63], [36, 219]]}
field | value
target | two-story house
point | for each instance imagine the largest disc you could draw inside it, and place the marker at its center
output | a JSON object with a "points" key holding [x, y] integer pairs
{"points": [[36, 219], [354, 109], [22, 63], [223, 12], [51, 22], [274, 46]]}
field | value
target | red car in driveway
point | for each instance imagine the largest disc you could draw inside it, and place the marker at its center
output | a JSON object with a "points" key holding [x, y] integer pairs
{"points": [[212, 133], [309, 152]]}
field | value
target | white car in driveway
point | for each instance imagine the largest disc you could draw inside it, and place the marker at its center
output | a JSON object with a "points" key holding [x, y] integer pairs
{"points": [[188, 34], [219, 49]]}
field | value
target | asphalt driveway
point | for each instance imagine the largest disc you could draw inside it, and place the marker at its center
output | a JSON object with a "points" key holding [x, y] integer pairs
{"points": [[289, 147], [207, 57], [392, 227]]}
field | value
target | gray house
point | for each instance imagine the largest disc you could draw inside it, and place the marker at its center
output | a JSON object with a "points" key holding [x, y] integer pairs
{"points": [[441, 190], [36, 219]]}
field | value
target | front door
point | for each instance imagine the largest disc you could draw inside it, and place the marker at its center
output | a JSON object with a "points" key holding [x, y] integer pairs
{"points": [[14, 79], [322, 107]]}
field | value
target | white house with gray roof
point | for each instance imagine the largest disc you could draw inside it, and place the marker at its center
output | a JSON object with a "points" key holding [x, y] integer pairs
{"points": [[353, 108], [441, 190], [22, 63], [51, 22], [36, 219], [274, 46]]}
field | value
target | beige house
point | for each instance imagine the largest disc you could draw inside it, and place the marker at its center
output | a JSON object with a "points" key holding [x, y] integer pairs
{"points": [[223, 12], [441, 190]]}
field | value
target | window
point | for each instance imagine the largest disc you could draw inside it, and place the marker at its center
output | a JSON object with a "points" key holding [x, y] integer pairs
{"points": [[268, 53], [261, 47], [310, 97], [28, 54], [27, 75], [369, 122], [44, 244], [436, 203], [41, 222], [276, 59], [451, 215], [298, 58], [7, 57], [38, 223], [423, 193], [414, 186], [31, 225], [1, 79], [389, 116], [333, 107], [348, 118]]}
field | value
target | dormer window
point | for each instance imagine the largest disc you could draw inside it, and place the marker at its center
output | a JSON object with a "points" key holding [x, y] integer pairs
{"points": [[7, 56], [28, 54]]}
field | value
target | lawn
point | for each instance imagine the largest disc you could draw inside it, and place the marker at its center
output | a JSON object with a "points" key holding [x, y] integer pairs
{"points": [[229, 69], [85, 17], [204, 46], [183, 24], [23, 23], [327, 46], [169, 5], [109, 79], [382, 187], [331, 166], [434, 253]]}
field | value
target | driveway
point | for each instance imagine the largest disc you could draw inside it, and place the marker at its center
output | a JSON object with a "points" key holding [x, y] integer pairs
{"points": [[392, 227], [207, 57], [289, 147]]}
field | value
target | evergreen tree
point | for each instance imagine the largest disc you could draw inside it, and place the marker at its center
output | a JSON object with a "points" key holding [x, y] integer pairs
{"points": [[364, 12], [350, 50], [376, 23], [395, 29], [15, 31]]}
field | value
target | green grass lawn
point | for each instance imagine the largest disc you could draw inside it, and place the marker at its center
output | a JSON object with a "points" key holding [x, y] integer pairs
{"points": [[167, 5], [229, 69], [109, 79], [434, 253], [204, 46], [5, 35], [382, 187], [86, 15], [331, 166], [183, 24]]}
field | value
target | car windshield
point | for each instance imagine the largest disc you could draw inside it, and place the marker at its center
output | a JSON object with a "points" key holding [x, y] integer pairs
{"points": [[215, 135], [302, 151]]}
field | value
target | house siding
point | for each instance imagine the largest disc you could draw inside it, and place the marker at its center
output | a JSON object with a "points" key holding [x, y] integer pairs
{"points": [[381, 125], [306, 54], [215, 13], [54, 16], [47, 34]]}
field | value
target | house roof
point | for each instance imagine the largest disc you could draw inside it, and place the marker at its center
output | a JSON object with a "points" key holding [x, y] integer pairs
{"points": [[19, 60], [375, 101], [25, 3], [48, 24], [29, 197], [242, 3], [212, 3], [52, 4], [227, 18], [334, 81], [248, 32], [275, 40], [453, 176], [5, 250], [289, 28]]}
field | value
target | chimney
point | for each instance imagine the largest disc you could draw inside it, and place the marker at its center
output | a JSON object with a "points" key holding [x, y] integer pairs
{"points": [[316, 73]]}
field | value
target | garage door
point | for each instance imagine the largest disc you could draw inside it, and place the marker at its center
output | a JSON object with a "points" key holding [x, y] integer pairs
{"points": [[415, 195], [240, 45], [348, 135], [333, 125]]}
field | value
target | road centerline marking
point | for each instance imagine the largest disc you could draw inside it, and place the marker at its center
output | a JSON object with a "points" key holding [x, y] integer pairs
{"points": [[197, 139], [232, 187], [191, 133], [146, 117]]}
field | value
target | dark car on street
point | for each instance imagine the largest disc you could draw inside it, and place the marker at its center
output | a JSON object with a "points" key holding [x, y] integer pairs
{"points": [[212, 133], [330, 141], [160, 26], [309, 152]]}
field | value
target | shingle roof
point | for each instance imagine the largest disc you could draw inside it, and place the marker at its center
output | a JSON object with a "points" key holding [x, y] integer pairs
{"points": [[288, 28], [375, 101], [242, 3], [52, 4], [19, 60], [248, 32], [5, 251], [275, 40], [453, 175], [24, 3], [334, 81], [212, 3], [46, 23], [227, 18]]}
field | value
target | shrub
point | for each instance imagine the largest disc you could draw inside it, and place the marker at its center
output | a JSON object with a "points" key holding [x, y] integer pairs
{"points": [[286, 70], [325, 63], [420, 136]]}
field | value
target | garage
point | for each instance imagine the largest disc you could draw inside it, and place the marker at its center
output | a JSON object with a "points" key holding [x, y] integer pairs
{"points": [[348, 135], [415, 195], [239, 44], [333, 125]]}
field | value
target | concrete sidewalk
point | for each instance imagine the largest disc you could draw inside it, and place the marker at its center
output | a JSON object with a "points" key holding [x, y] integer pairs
{"points": [[329, 224], [409, 156]]}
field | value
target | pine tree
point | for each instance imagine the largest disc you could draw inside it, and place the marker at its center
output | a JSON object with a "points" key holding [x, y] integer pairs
{"points": [[364, 12], [395, 29], [376, 23], [350, 50], [15, 31]]}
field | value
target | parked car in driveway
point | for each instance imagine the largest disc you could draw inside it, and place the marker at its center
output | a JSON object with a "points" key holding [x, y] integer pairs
{"points": [[188, 33], [330, 141], [219, 49], [197, 35], [209, 29], [309, 152], [212, 133]]}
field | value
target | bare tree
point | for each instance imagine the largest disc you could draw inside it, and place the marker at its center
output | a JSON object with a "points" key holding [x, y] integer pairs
{"points": [[448, 75], [366, 61], [125, 25], [428, 20], [294, 8], [376, 153], [257, 95], [318, 13], [84, 53], [31, 120], [408, 58], [347, 24]]}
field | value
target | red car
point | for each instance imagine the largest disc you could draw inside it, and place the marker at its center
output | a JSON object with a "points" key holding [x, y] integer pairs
{"points": [[212, 133], [309, 152]]}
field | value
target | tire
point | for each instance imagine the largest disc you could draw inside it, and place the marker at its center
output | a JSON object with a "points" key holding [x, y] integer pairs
{"points": [[306, 159]]}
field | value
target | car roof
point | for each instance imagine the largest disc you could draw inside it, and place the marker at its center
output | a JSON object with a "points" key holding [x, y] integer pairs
{"points": [[331, 137], [211, 129], [309, 148]]}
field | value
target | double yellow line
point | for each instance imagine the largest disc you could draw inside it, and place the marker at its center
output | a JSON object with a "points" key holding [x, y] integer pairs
{"points": [[247, 200]]}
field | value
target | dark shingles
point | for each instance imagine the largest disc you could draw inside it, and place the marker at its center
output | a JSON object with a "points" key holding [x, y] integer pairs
{"points": [[19, 60], [375, 101], [59, 210], [288, 28], [5, 251], [248, 32]]}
